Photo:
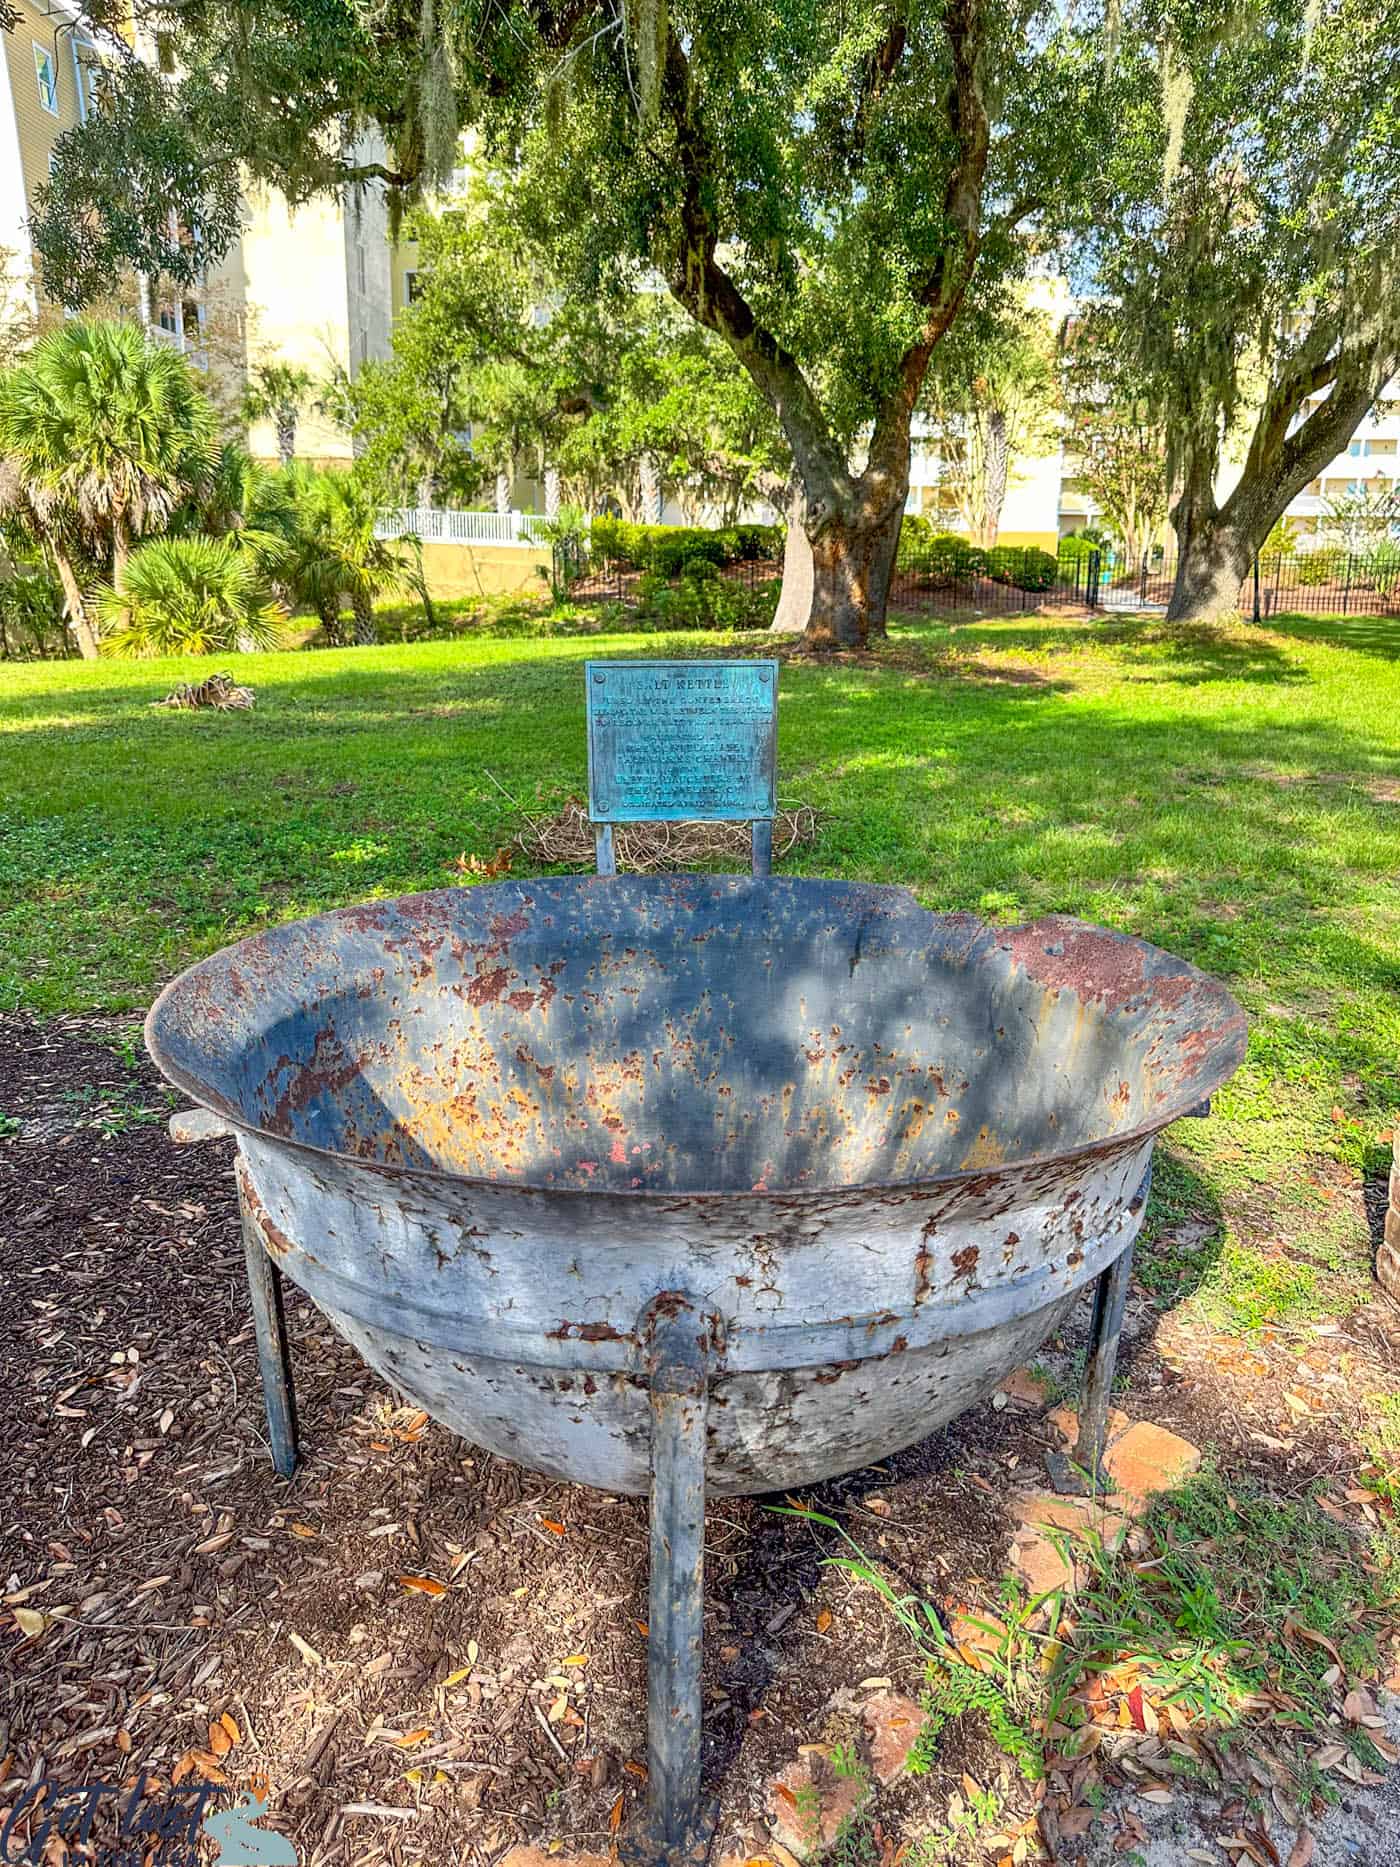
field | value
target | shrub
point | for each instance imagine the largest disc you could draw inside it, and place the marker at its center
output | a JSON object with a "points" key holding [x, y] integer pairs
{"points": [[1077, 546], [1037, 569], [674, 548], [669, 548], [952, 559], [702, 599], [1318, 567], [1382, 566], [915, 537], [189, 596], [32, 627]]}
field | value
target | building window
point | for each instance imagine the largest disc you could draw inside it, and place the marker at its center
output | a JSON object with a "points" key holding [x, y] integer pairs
{"points": [[48, 80], [411, 287]]}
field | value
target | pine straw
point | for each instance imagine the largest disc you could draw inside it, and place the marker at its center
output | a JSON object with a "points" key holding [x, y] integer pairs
{"points": [[568, 840]]}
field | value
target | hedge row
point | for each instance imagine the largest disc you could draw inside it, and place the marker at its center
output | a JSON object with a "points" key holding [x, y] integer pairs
{"points": [[946, 558], [667, 549]]}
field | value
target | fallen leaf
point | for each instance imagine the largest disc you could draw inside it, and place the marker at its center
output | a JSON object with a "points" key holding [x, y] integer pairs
{"points": [[30, 1621], [575, 1659], [410, 1738], [1135, 1709], [462, 1672], [786, 1794], [302, 1529], [235, 1736], [615, 1815], [639, 1770], [219, 1742], [122, 1740], [422, 1584], [823, 1620], [550, 1524], [1302, 1849]]}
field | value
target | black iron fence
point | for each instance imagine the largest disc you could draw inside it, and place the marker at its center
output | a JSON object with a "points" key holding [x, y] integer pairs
{"points": [[1313, 583]]}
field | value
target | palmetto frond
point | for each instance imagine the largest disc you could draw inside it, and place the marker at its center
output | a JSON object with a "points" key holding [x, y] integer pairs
{"points": [[105, 430], [190, 596]]}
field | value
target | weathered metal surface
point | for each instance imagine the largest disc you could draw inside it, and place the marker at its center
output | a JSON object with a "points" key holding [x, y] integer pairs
{"points": [[484, 1128], [270, 1330], [669, 740], [679, 1354]]}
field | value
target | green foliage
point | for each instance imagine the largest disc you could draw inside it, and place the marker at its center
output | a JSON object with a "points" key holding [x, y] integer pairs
{"points": [[1381, 566], [702, 599], [333, 555], [668, 549], [189, 596], [104, 433], [1026, 566], [31, 614], [1316, 568], [1228, 293]]}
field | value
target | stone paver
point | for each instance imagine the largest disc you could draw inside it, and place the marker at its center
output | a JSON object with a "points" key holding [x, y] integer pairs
{"points": [[892, 1724], [808, 1802], [1065, 1421], [1148, 1458], [1025, 1388]]}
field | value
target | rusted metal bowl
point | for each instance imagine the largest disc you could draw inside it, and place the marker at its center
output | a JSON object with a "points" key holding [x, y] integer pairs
{"points": [[486, 1129]]}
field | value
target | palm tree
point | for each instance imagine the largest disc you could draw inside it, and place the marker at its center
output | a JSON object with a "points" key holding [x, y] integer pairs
{"points": [[190, 596], [102, 434], [277, 392], [335, 555]]}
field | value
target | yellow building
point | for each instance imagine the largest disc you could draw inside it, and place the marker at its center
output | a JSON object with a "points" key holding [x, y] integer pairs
{"points": [[47, 64]]}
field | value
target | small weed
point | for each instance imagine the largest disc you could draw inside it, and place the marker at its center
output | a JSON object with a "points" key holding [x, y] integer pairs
{"points": [[113, 1112], [9, 1125], [1243, 1607]]}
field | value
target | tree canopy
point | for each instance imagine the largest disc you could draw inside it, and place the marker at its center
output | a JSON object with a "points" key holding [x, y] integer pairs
{"points": [[817, 184], [1245, 253]]}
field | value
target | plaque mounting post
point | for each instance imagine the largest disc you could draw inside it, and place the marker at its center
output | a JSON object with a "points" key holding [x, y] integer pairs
{"points": [[671, 741]]}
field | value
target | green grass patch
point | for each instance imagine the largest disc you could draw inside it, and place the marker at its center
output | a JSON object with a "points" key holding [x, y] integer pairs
{"points": [[1233, 1615], [1226, 794]]}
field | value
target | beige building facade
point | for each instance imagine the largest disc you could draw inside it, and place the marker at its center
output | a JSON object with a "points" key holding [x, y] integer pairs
{"points": [[47, 66]]}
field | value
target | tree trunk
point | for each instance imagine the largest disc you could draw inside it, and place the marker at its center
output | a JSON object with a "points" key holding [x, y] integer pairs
{"points": [[795, 592], [1214, 562], [286, 435], [998, 467], [852, 563], [74, 603], [363, 605], [503, 492], [121, 548], [329, 612]]}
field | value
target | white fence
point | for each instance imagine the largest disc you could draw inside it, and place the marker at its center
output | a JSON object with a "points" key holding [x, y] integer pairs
{"points": [[434, 525]]}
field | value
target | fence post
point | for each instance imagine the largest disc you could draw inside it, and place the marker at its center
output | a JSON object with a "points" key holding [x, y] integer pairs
{"points": [[1256, 586], [1142, 583], [1346, 587], [1091, 581]]}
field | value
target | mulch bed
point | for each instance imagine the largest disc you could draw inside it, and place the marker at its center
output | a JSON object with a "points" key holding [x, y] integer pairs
{"points": [[430, 1652]]}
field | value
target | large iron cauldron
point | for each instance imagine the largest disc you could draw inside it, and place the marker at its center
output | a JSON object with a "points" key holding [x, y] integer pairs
{"points": [[821, 1163]]}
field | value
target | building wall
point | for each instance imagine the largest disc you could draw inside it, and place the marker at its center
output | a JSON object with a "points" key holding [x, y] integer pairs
{"points": [[485, 570], [28, 130]]}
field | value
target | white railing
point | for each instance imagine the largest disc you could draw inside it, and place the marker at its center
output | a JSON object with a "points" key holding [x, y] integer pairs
{"points": [[435, 525]]}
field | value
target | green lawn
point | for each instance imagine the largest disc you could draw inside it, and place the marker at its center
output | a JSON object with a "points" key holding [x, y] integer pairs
{"points": [[1233, 798]]}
